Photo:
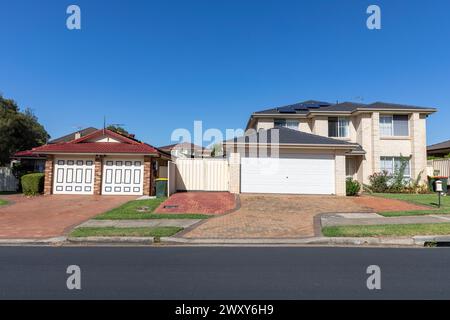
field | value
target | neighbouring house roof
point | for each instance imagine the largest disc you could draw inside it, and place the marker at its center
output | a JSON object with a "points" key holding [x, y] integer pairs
{"points": [[71, 136], [27, 154], [182, 145], [88, 145], [286, 136], [439, 146]]}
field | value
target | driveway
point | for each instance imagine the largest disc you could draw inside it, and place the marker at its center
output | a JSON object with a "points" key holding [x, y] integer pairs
{"points": [[212, 203], [51, 216], [274, 216]]}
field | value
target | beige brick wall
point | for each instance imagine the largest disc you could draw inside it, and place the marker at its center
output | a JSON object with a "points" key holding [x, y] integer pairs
{"points": [[419, 145], [264, 124], [320, 125], [235, 172], [48, 179], [340, 173]]}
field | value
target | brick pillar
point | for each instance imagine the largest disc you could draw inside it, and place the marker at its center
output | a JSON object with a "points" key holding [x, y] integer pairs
{"points": [[340, 174], [98, 168], [235, 172], [48, 180], [147, 176]]}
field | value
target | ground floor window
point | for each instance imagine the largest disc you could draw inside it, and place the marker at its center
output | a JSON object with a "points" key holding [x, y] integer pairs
{"points": [[392, 164]]}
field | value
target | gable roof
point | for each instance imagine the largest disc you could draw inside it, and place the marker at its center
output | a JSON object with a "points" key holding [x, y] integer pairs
{"points": [[182, 145], [71, 136], [438, 146], [288, 136], [126, 145], [311, 106]]}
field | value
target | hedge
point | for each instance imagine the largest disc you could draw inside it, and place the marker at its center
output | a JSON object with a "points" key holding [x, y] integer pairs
{"points": [[33, 184]]}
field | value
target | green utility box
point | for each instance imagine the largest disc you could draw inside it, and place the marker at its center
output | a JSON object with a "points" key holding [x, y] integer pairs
{"points": [[161, 187], [432, 183]]}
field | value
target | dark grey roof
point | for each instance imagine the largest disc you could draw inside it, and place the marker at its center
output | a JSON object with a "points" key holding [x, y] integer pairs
{"points": [[306, 107], [71, 136], [289, 136], [441, 145]]}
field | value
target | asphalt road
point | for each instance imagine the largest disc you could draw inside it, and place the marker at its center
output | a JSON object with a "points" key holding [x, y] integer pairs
{"points": [[223, 273]]}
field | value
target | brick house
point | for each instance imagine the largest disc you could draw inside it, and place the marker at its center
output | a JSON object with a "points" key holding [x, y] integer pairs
{"points": [[101, 163]]}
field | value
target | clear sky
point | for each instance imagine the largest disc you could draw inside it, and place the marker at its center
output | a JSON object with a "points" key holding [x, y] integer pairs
{"points": [[155, 66]]}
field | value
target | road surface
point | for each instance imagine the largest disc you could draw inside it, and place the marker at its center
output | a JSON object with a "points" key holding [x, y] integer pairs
{"points": [[223, 273]]}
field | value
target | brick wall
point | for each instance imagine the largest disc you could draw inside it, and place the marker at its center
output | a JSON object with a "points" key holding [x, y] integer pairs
{"points": [[148, 176], [98, 164], [235, 173], [48, 180]]}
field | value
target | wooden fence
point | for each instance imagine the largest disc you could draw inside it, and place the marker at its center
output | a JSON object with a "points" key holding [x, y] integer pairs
{"points": [[8, 181]]}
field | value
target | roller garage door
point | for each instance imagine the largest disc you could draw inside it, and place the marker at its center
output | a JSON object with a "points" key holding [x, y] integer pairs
{"points": [[73, 176], [123, 176], [289, 174]]}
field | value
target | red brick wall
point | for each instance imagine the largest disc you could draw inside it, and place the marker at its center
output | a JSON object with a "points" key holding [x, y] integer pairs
{"points": [[48, 180], [147, 175], [98, 164]]}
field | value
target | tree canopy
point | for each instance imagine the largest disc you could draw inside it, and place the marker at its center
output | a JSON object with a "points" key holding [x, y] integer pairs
{"points": [[119, 130], [19, 130]]}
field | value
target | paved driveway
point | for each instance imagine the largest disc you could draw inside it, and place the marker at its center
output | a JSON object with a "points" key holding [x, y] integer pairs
{"points": [[51, 216], [274, 216]]}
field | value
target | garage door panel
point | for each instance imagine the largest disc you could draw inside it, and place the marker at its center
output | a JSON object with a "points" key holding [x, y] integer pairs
{"points": [[123, 176], [73, 176], [308, 174]]}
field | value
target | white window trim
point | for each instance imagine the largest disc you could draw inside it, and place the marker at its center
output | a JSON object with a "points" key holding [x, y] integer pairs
{"points": [[286, 121], [392, 158], [339, 119], [391, 133]]}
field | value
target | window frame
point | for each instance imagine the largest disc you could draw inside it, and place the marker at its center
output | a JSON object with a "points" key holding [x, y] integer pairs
{"points": [[392, 125], [392, 160], [285, 124], [338, 122]]}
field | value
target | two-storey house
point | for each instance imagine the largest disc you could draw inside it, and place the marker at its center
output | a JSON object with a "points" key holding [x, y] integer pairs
{"points": [[320, 144]]}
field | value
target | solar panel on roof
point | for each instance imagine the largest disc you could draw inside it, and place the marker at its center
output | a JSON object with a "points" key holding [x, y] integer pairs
{"points": [[287, 109]]}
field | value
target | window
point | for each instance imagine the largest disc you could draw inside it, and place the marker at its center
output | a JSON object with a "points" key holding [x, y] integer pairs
{"points": [[394, 125], [392, 164], [338, 127], [285, 123]]}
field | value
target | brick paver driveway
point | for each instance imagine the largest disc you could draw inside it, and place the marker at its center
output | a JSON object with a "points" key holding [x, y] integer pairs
{"points": [[51, 216], [274, 216]]}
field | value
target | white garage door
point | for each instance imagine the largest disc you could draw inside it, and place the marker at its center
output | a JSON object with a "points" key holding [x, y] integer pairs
{"points": [[292, 174], [73, 176], [123, 176]]}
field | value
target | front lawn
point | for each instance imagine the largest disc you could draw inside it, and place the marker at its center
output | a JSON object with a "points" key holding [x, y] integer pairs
{"points": [[388, 230], [3, 202], [143, 209], [430, 200], [156, 232]]}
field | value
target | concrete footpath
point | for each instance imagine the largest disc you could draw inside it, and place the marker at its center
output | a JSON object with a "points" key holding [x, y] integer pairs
{"points": [[345, 219], [146, 223]]}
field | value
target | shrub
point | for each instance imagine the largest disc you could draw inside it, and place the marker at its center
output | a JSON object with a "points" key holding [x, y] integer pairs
{"points": [[33, 184], [352, 187], [379, 182]]}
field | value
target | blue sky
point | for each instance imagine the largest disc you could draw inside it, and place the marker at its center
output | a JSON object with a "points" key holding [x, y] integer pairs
{"points": [[159, 65]]}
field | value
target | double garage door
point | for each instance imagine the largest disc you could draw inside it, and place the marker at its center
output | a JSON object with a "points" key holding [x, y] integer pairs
{"points": [[290, 173], [119, 176]]}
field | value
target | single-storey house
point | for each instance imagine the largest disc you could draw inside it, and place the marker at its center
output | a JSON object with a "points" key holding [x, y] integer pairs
{"points": [[439, 149], [101, 162]]}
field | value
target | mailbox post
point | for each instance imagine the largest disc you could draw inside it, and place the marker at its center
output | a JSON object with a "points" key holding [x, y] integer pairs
{"points": [[439, 190]]}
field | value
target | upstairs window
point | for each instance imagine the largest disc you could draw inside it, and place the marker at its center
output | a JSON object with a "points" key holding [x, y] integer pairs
{"points": [[394, 126], [338, 127], [286, 123]]}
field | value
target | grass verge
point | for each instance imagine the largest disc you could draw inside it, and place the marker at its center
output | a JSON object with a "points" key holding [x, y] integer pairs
{"points": [[130, 211], [156, 232], [3, 202], [388, 230], [429, 200]]}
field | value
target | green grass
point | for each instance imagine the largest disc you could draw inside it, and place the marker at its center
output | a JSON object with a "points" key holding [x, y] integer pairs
{"points": [[156, 232], [429, 200], [3, 202], [387, 230], [128, 211]]}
